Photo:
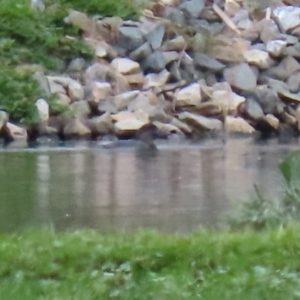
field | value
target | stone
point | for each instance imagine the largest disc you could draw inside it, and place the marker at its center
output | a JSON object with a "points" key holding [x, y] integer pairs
{"points": [[181, 125], [43, 109], [140, 103], [135, 79], [285, 69], [156, 80], [231, 7], [240, 77], [96, 72], [123, 116], [272, 121], [76, 128], [269, 101], [63, 99], [3, 118], [121, 101], [165, 128], [80, 109], [192, 8], [171, 56], [75, 90], [176, 44], [293, 50], [102, 125], [297, 116], [245, 24], [228, 50], [37, 5], [130, 38], [253, 108], [16, 132], [276, 47], [276, 85], [155, 36], [174, 14], [154, 62], [76, 65], [237, 124], [129, 125], [288, 96], [100, 91], [228, 101], [125, 65], [141, 52], [56, 88], [43, 82], [293, 82], [290, 39], [259, 58], [190, 95], [200, 122], [204, 61], [287, 16], [80, 20], [269, 31]]}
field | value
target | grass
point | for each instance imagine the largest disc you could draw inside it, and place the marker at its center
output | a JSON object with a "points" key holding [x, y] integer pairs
{"points": [[206, 264]]}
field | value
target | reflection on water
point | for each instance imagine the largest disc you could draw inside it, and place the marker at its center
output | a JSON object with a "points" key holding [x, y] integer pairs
{"points": [[172, 189]]}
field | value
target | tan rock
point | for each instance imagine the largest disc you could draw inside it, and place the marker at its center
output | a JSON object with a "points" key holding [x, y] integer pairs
{"points": [[102, 125], [75, 127], [228, 101], [128, 125], [154, 80], [63, 99], [100, 91], [231, 7], [43, 109], [80, 109], [259, 58], [16, 132], [181, 125], [276, 48], [286, 95], [176, 44], [135, 79], [190, 95], [125, 65], [121, 101], [238, 124], [56, 88], [272, 121], [123, 115], [75, 90], [200, 122]]}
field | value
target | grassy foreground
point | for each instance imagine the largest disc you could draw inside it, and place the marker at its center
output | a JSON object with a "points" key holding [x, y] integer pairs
{"points": [[144, 265]]}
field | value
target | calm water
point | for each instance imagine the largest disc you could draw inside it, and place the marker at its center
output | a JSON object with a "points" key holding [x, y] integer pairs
{"points": [[177, 188]]}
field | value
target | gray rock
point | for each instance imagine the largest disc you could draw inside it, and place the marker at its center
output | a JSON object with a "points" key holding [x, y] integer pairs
{"points": [[269, 101], [285, 69], [155, 36], [275, 85], [253, 109], [154, 62], [288, 16], [270, 31], [174, 14], [192, 8], [293, 50], [293, 82], [96, 72], [130, 38], [240, 77], [204, 61], [43, 82], [141, 52], [80, 109], [76, 65], [101, 125], [276, 48], [107, 106]]}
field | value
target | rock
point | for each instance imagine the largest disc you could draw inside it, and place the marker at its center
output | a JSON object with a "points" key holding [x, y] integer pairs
{"points": [[240, 77], [155, 36], [80, 109], [276, 85], [290, 39], [170, 56], [287, 16], [231, 7], [228, 101], [63, 99], [141, 52], [174, 14], [75, 90], [293, 50], [269, 101], [287, 96], [190, 95], [176, 44], [16, 132], [101, 91], [121, 101], [102, 125], [124, 65], [96, 72], [192, 8], [253, 108], [259, 58], [43, 109], [181, 125], [76, 128], [43, 82], [107, 106], [56, 88], [80, 20], [297, 116], [285, 69], [166, 129], [156, 80], [123, 116], [154, 62], [37, 5], [272, 121], [228, 50], [128, 126], [135, 80], [204, 61], [200, 122], [246, 24], [76, 65], [276, 48], [293, 82], [269, 31], [130, 38], [238, 124], [140, 103], [3, 118]]}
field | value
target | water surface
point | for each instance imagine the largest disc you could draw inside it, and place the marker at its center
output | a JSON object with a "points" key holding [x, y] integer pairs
{"points": [[176, 188]]}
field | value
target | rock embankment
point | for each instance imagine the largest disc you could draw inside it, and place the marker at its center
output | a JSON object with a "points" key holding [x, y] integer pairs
{"points": [[186, 67]]}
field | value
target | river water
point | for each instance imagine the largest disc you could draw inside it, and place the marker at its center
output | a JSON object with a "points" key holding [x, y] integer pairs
{"points": [[177, 188]]}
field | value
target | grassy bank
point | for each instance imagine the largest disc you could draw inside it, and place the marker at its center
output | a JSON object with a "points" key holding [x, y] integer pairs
{"points": [[150, 265]]}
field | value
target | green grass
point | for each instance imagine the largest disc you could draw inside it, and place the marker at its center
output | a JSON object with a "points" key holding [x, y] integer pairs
{"points": [[144, 265]]}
